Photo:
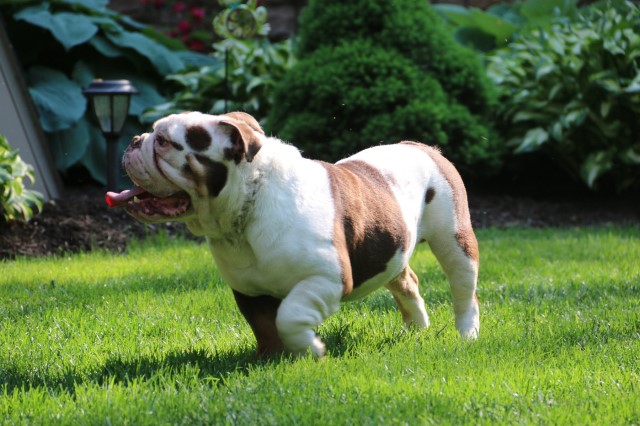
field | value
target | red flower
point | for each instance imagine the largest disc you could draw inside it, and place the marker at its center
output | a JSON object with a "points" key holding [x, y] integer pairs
{"points": [[198, 14], [178, 7], [184, 26], [158, 3], [196, 45]]}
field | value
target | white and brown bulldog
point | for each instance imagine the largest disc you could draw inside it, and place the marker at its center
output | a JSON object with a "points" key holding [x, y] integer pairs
{"points": [[295, 237]]}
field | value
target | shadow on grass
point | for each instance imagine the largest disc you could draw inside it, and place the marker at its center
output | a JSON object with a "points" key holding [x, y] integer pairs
{"points": [[71, 294], [121, 371]]}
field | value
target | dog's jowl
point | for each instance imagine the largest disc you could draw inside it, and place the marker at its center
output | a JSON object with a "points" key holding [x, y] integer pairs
{"points": [[294, 237]]}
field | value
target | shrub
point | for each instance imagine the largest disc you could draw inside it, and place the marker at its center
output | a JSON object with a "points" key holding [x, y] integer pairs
{"points": [[386, 71], [573, 91], [15, 200], [63, 46]]}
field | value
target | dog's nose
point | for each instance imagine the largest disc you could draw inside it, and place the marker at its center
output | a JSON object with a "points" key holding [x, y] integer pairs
{"points": [[136, 142]]}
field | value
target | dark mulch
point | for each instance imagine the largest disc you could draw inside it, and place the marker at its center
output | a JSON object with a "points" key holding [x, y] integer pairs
{"points": [[82, 221]]}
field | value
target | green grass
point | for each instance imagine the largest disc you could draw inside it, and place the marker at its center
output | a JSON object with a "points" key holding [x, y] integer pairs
{"points": [[153, 337]]}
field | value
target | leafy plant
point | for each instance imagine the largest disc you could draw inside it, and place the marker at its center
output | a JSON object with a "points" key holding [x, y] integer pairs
{"points": [[15, 200], [573, 90], [253, 67], [496, 26], [63, 46], [386, 71]]}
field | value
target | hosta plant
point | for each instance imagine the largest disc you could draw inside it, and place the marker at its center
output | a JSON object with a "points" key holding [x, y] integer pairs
{"points": [[573, 91], [15, 200], [63, 45]]}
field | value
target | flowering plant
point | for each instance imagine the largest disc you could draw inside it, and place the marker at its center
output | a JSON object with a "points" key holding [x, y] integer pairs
{"points": [[188, 24]]}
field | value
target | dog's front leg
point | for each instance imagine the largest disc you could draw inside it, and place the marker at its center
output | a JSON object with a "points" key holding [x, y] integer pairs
{"points": [[260, 312], [308, 304]]}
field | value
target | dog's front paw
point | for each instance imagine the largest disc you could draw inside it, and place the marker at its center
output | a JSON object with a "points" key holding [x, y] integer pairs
{"points": [[317, 349]]}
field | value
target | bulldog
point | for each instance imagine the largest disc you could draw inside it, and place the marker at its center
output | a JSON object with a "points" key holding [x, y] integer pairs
{"points": [[294, 237]]}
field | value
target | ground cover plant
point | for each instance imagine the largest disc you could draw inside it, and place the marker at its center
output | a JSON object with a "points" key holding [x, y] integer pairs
{"points": [[153, 336]]}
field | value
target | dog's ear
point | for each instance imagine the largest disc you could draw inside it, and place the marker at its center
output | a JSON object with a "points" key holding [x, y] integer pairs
{"points": [[244, 142], [245, 118]]}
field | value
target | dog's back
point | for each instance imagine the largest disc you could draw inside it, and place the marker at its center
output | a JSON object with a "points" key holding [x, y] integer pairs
{"points": [[434, 205]]}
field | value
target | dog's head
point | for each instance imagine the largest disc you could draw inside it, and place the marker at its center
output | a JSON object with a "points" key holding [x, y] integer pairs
{"points": [[184, 161]]}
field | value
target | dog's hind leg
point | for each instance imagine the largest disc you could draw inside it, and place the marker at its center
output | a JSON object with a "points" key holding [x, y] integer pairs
{"points": [[405, 292], [458, 255]]}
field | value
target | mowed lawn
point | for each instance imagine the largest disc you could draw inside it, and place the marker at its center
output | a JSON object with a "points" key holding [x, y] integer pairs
{"points": [[153, 337]]}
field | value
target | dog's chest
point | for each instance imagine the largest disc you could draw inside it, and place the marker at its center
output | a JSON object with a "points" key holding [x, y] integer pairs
{"points": [[274, 272]]}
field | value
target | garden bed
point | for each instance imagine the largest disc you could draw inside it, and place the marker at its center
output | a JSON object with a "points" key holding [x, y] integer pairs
{"points": [[82, 221]]}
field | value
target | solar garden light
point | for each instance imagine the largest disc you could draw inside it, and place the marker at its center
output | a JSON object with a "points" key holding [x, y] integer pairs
{"points": [[110, 100]]}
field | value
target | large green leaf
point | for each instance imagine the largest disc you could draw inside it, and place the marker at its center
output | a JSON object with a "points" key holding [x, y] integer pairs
{"points": [[532, 140], [164, 60], [59, 101], [70, 29], [105, 47], [477, 28], [69, 146], [458, 15], [147, 97], [545, 9], [90, 4], [595, 165]]}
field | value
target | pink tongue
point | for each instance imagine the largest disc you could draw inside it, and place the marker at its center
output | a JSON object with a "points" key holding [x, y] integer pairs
{"points": [[115, 199]]}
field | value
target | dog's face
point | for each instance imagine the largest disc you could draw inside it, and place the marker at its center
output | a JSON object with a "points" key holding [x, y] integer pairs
{"points": [[185, 161]]}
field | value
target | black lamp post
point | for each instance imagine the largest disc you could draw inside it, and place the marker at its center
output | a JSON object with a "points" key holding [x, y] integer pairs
{"points": [[110, 100]]}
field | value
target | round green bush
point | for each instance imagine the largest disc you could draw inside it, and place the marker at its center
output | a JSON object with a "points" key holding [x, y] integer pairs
{"points": [[372, 72]]}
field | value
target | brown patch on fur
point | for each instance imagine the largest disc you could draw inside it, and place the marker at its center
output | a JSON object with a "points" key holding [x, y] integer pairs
{"points": [[406, 285], [464, 234], [468, 243], [429, 196], [198, 138], [260, 312], [210, 175], [369, 228]]}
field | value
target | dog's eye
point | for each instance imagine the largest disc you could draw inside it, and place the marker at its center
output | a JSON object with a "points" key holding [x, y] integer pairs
{"points": [[161, 141]]}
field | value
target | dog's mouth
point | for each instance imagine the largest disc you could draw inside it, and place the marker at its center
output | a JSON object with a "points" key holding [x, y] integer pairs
{"points": [[139, 202]]}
